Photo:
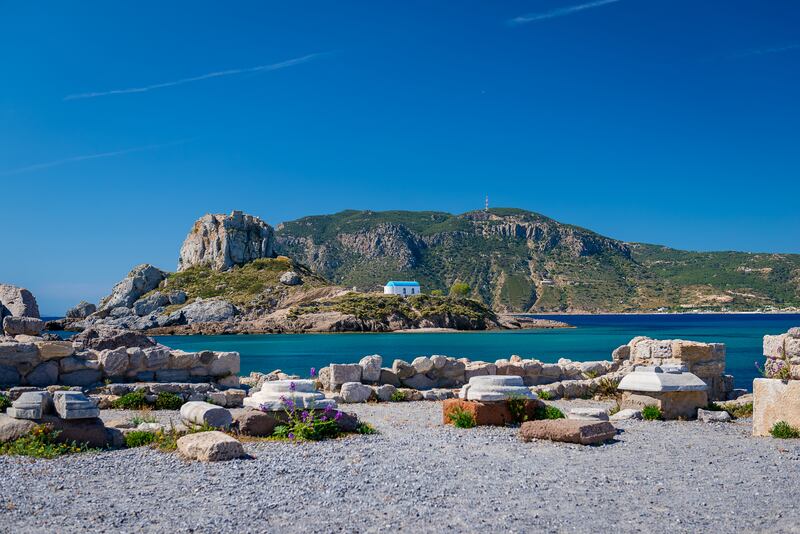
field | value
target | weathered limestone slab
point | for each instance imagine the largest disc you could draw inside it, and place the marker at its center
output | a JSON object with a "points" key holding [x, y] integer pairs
{"points": [[200, 413], [211, 446], [626, 415], [371, 368], [51, 350], [74, 405], [302, 393], [588, 414], [29, 326], [44, 374], [255, 423], [342, 373], [354, 392], [31, 405], [12, 428], [712, 416], [422, 364], [568, 430], [492, 388], [658, 379], [12, 353], [775, 400]]}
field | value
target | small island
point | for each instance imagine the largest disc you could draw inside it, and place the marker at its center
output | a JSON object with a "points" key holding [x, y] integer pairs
{"points": [[230, 280]]}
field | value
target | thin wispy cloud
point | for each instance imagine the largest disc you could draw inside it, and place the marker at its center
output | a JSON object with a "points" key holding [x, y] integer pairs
{"points": [[559, 12], [766, 50], [75, 159], [208, 76]]}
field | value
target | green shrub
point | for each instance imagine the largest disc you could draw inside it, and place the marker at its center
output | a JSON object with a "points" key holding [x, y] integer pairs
{"points": [[547, 411], [461, 418], [41, 443], [740, 410], [5, 402], [139, 438], [459, 289], [784, 430], [365, 428], [134, 400], [735, 410], [651, 413], [398, 396], [517, 406], [168, 401], [607, 387], [544, 395]]}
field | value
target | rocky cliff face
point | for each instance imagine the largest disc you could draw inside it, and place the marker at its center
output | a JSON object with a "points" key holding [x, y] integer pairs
{"points": [[511, 258], [516, 260], [222, 241]]}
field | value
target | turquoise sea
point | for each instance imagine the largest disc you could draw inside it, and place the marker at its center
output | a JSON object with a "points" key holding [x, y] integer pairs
{"points": [[593, 339]]}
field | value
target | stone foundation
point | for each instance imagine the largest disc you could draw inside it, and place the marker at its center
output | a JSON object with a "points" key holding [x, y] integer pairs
{"points": [[775, 400]]}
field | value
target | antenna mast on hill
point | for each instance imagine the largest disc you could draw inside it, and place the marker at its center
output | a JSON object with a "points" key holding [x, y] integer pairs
{"points": [[486, 207]]}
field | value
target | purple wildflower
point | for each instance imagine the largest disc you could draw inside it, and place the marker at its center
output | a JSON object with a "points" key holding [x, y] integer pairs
{"points": [[304, 415], [323, 418], [338, 416], [328, 408], [292, 386], [289, 403], [291, 435], [313, 372]]}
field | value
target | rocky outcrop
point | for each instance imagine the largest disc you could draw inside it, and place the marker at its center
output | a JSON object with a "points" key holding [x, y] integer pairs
{"points": [[222, 241], [142, 279], [17, 302], [204, 311], [81, 311]]}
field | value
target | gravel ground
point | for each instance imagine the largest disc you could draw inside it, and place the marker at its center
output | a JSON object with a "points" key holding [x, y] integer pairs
{"points": [[420, 476]]}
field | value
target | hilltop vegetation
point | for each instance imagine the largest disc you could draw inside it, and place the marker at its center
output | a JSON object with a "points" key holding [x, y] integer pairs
{"points": [[254, 284], [522, 261]]}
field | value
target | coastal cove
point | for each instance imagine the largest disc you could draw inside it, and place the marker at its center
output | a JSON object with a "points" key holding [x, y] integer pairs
{"points": [[593, 339]]}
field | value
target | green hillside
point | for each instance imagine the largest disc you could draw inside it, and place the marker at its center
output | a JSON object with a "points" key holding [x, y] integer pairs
{"points": [[516, 260]]}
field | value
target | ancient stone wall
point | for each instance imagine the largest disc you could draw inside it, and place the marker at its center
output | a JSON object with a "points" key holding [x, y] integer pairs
{"points": [[565, 378], [99, 355], [706, 360]]}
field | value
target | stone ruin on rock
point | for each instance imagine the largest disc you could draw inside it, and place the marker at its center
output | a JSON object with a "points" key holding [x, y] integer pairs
{"points": [[676, 392]]}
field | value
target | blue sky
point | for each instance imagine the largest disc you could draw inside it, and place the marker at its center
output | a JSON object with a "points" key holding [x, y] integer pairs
{"points": [[663, 121]]}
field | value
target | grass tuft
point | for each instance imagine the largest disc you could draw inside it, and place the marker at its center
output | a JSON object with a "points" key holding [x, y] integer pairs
{"points": [[783, 430], [651, 413], [460, 418]]}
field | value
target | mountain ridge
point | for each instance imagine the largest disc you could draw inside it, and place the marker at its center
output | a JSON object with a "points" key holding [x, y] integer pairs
{"points": [[517, 260]]}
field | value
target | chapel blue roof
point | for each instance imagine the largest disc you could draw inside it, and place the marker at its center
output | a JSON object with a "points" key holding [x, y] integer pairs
{"points": [[394, 283]]}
